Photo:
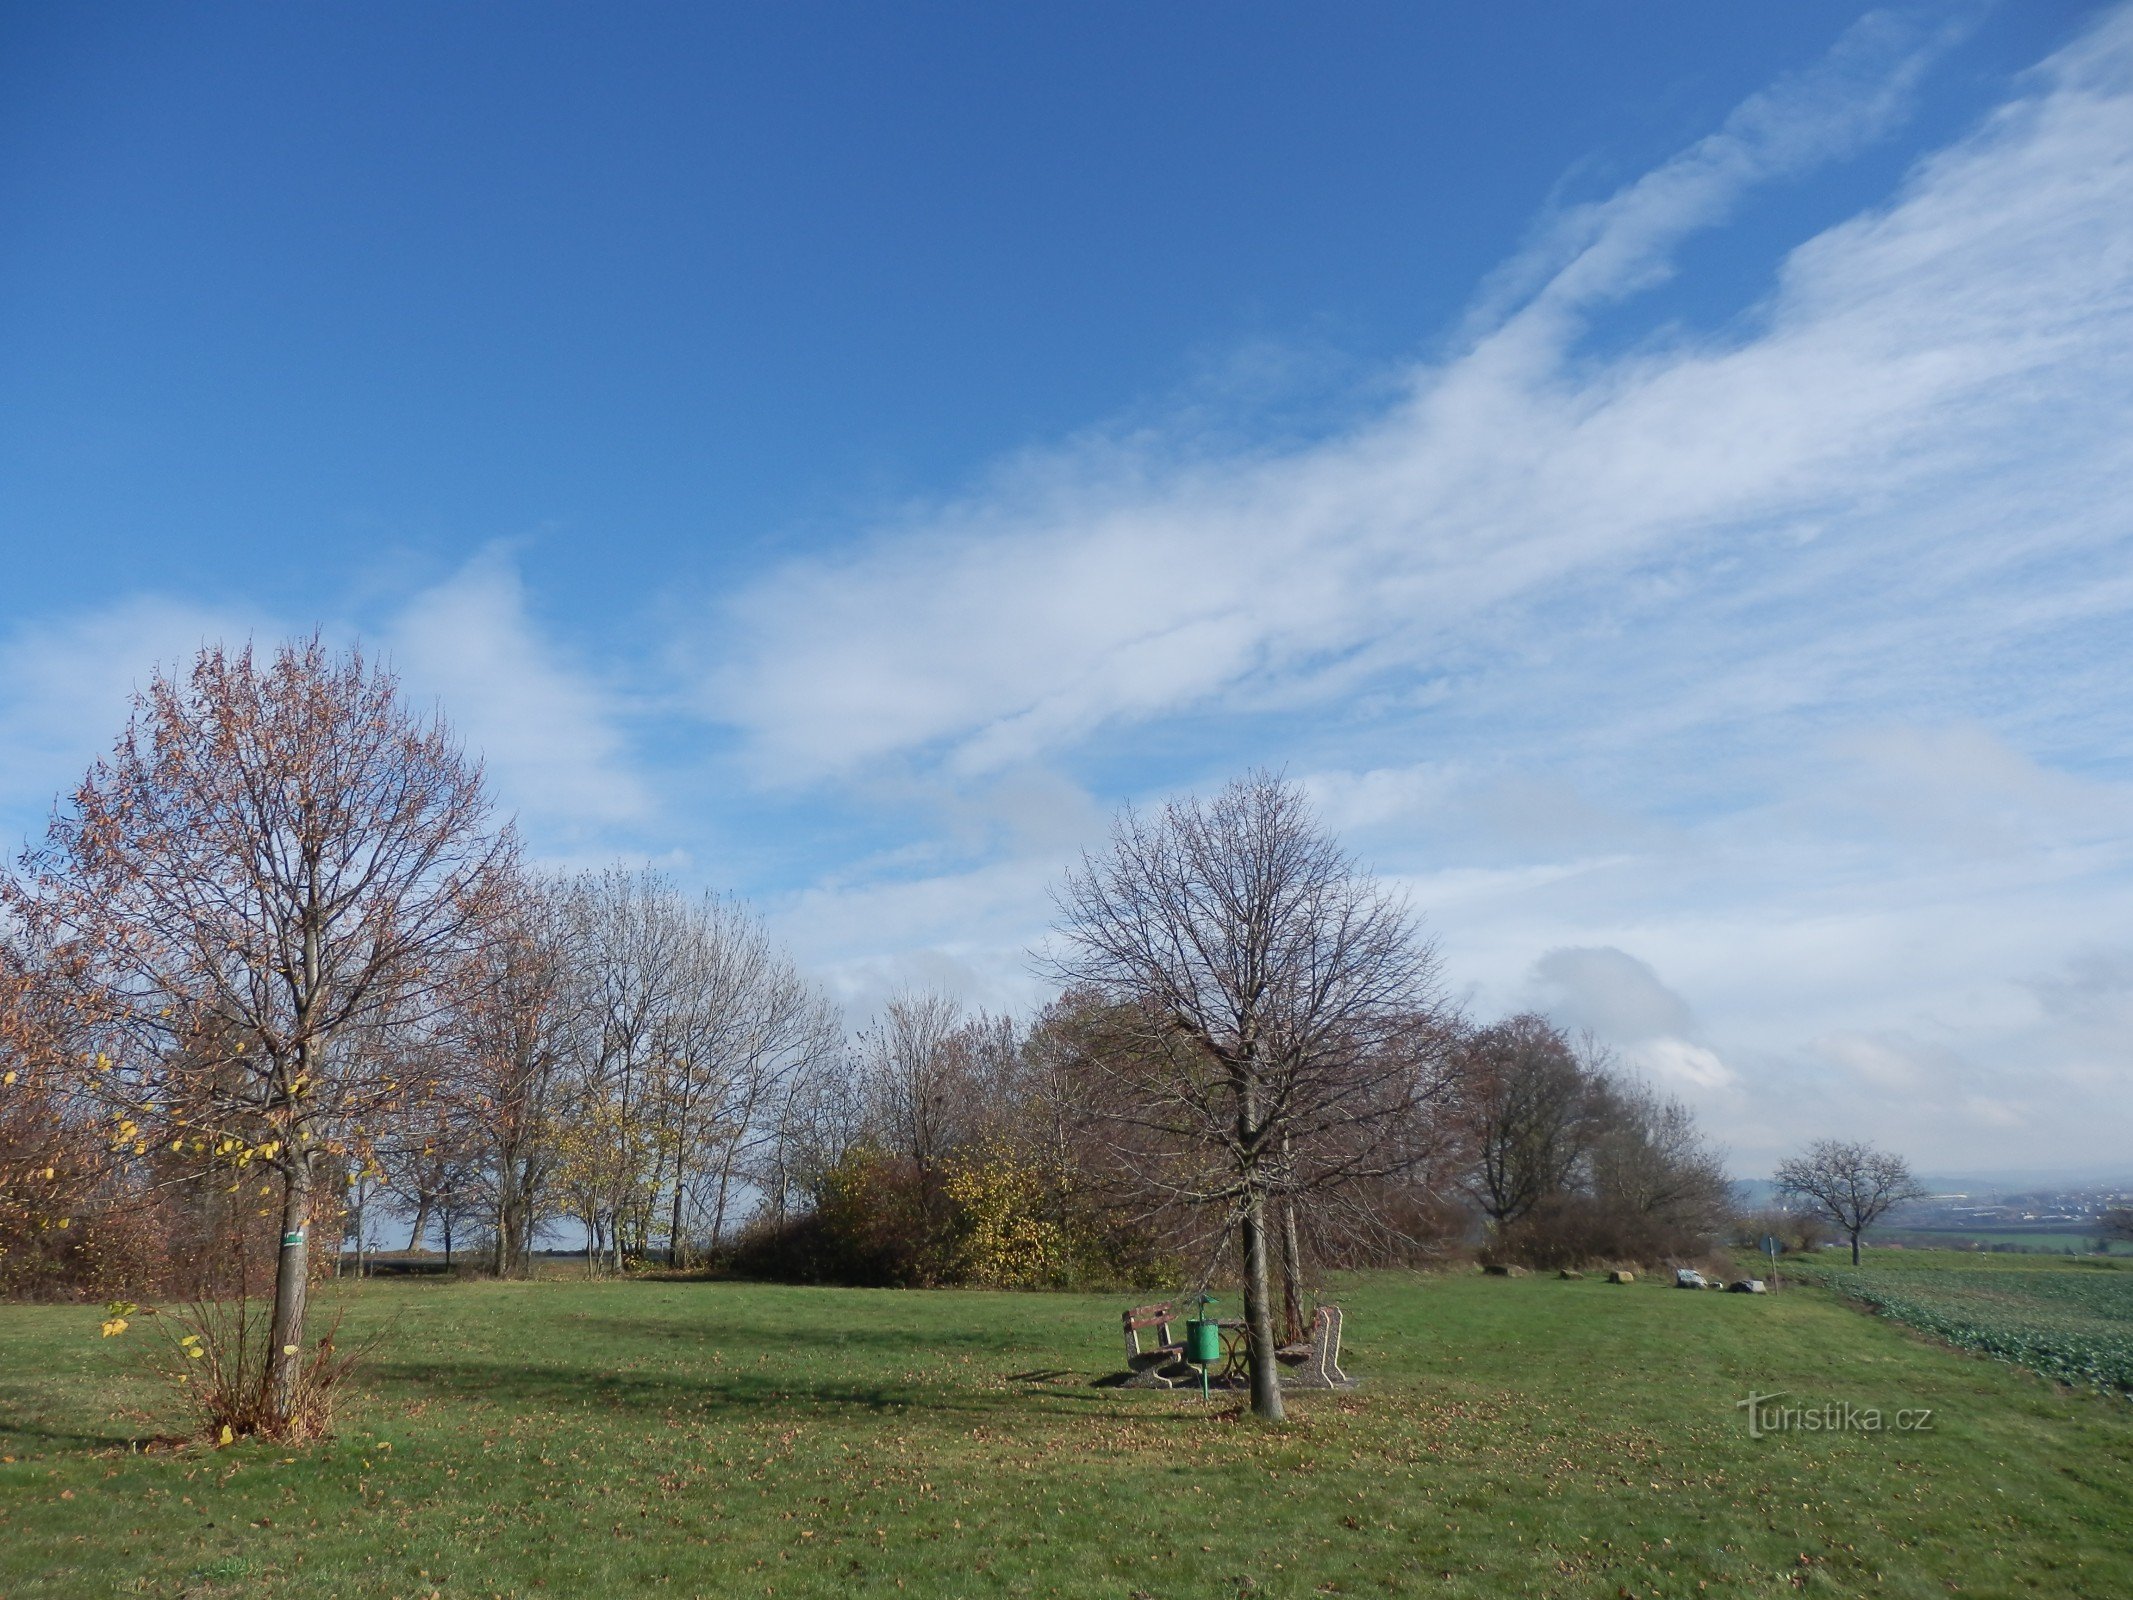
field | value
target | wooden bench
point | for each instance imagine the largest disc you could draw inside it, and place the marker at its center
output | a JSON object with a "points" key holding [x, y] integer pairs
{"points": [[1160, 1363], [1315, 1362]]}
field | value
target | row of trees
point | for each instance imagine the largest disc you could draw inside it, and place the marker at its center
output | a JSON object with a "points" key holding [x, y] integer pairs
{"points": [[630, 1058], [1573, 1160], [276, 960]]}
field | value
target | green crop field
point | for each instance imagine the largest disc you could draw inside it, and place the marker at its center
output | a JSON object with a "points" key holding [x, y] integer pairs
{"points": [[1518, 1436], [2069, 1320], [2057, 1243]]}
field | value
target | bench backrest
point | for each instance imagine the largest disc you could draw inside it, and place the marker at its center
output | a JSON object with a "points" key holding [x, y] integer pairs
{"points": [[1157, 1316]]}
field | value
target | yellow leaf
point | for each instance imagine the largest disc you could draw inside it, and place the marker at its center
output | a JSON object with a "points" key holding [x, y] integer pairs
{"points": [[288, 1349], [114, 1327], [10, 1078], [227, 1435]]}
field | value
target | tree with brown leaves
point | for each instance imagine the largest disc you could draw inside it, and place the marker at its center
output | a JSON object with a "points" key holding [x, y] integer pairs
{"points": [[279, 868]]}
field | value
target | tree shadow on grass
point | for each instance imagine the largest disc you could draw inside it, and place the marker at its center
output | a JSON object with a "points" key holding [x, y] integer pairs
{"points": [[83, 1436], [26, 1413], [736, 1393], [737, 1333]]}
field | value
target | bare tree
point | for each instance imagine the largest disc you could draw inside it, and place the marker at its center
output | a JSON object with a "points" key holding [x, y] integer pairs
{"points": [[509, 1039], [629, 936], [1526, 1097], [745, 1022], [911, 1087], [277, 865], [1649, 1159], [1853, 1185], [1261, 985], [929, 1082], [433, 1163], [685, 1021], [814, 1120]]}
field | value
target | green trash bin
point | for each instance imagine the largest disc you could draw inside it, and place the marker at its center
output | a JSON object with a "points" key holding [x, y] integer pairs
{"points": [[1203, 1342]]}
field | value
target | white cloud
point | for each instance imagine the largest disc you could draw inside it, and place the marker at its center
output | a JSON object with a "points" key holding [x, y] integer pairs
{"points": [[1611, 992], [549, 736], [1879, 1062], [1982, 319], [67, 684], [547, 732], [1355, 801], [964, 930], [1677, 1065]]}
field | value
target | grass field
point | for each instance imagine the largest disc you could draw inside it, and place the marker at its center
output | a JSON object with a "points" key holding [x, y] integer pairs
{"points": [[1514, 1437]]}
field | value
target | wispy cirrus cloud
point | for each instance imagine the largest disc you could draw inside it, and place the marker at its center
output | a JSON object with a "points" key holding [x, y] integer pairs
{"points": [[1980, 319], [1753, 695]]}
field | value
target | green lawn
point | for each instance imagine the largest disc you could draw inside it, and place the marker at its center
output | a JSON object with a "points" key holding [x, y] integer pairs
{"points": [[1514, 1437]]}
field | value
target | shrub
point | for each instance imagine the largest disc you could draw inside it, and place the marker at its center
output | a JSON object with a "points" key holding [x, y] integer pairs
{"points": [[1575, 1231], [213, 1356], [984, 1216]]}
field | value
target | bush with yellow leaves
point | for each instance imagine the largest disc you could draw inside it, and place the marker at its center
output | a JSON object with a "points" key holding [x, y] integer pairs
{"points": [[1008, 1210]]}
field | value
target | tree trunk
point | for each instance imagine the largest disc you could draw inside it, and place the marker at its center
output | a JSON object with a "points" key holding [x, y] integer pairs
{"points": [[1292, 1317], [1259, 1313], [421, 1225], [502, 1253], [674, 1252], [517, 1232], [292, 1278], [1855, 1247], [725, 1184]]}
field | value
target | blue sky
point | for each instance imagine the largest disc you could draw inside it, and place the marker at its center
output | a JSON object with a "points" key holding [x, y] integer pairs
{"points": [[1658, 474]]}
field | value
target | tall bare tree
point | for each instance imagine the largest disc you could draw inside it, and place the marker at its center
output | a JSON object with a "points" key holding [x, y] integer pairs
{"points": [[814, 1120], [629, 938], [685, 1022], [746, 1021], [1526, 1098], [932, 1078], [1853, 1185], [1265, 990], [279, 864], [510, 1038], [1649, 1158]]}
